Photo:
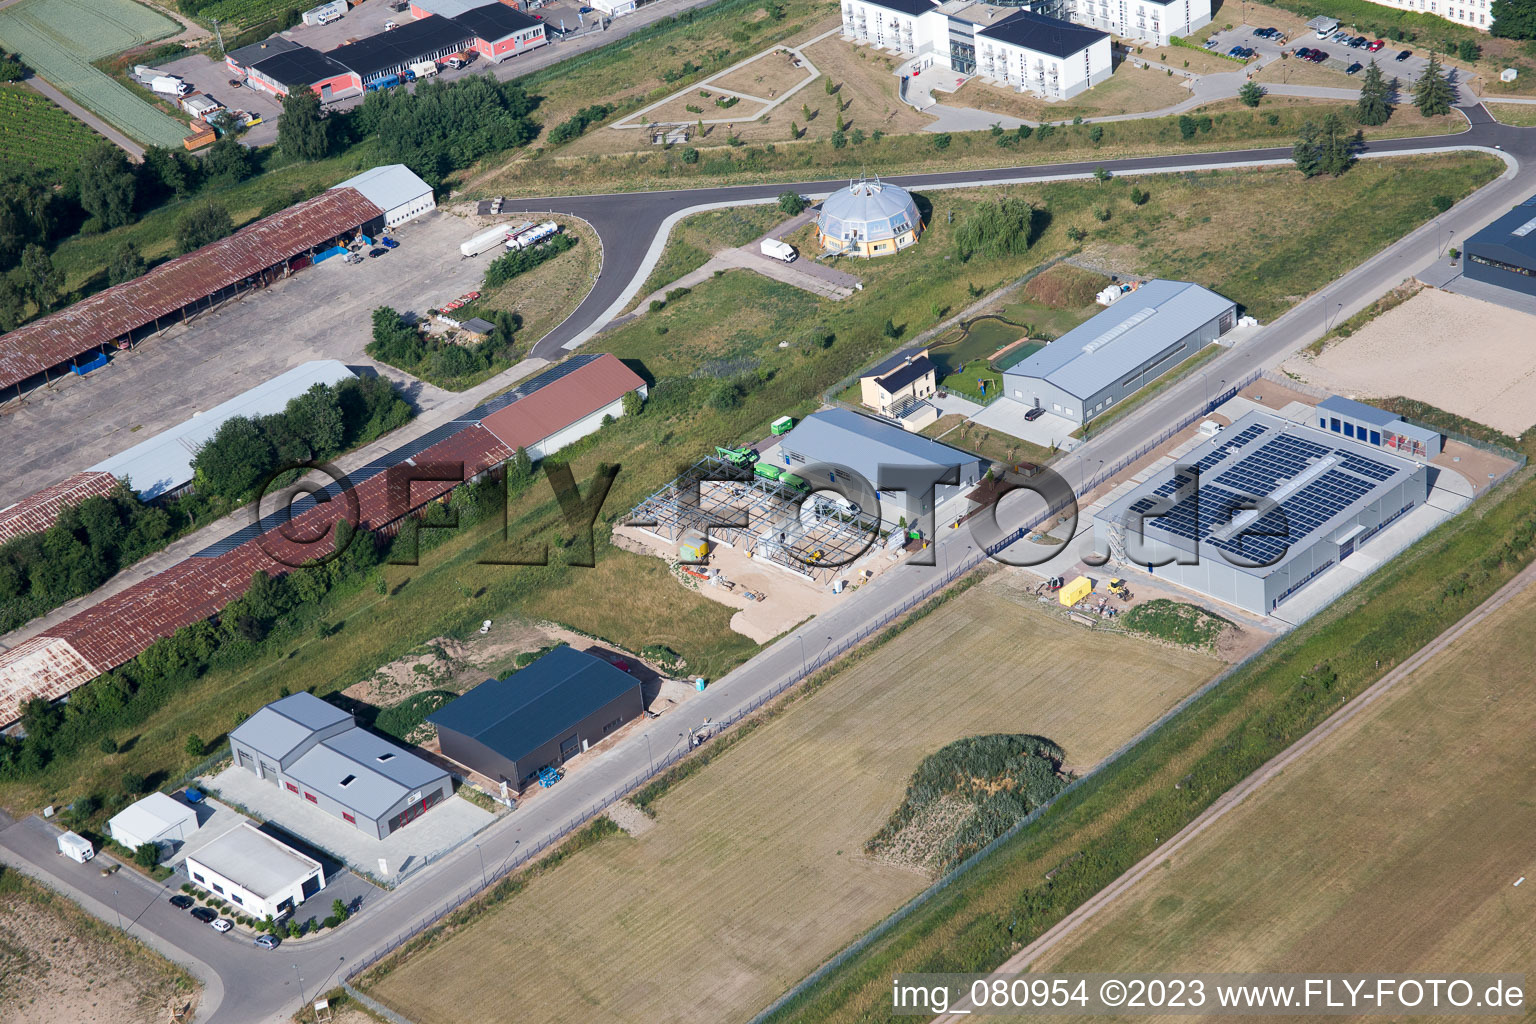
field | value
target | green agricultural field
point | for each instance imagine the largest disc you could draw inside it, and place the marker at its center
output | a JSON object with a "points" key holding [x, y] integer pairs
{"points": [[60, 39], [35, 134]]}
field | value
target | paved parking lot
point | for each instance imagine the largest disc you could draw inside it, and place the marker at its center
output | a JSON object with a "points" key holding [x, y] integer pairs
{"points": [[211, 77], [451, 823], [1340, 55], [319, 313]]}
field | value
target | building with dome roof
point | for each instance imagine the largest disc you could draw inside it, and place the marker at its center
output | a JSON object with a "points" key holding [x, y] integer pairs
{"points": [[868, 218]]}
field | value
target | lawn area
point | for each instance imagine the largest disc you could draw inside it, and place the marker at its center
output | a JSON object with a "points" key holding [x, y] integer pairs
{"points": [[1521, 115], [60, 38], [695, 239], [36, 134], [1130, 90], [703, 917], [59, 963], [960, 432], [1293, 71], [590, 165], [1428, 823]]}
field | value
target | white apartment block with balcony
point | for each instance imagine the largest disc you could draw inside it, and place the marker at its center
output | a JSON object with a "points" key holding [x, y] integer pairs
{"points": [[1146, 21], [1476, 14], [1030, 52]]}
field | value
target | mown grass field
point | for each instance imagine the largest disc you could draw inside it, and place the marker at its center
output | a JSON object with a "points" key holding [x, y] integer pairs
{"points": [[36, 134], [1428, 824], [695, 239], [754, 870], [60, 38]]}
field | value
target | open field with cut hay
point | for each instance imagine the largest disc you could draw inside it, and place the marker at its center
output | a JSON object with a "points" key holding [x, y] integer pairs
{"points": [[753, 871], [1467, 356], [60, 38], [1392, 846]]}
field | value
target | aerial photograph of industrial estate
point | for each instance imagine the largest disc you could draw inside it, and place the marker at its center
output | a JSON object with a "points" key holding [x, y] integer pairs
{"points": [[766, 511]]}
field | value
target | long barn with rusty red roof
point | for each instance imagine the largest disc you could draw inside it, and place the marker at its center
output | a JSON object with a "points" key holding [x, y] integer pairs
{"points": [[557, 407]]}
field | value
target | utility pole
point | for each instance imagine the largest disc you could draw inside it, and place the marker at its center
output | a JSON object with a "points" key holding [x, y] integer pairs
{"points": [[220, 36]]}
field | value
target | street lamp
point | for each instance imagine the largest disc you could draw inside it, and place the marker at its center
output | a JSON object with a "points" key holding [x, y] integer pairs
{"points": [[301, 982], [482, 865], [116, 911], [650, 756], [802, 655]]}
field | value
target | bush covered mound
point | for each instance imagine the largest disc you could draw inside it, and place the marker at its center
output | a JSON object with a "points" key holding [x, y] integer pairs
{"points": [[1065, 287], [1175, 622], [1000, 778]]}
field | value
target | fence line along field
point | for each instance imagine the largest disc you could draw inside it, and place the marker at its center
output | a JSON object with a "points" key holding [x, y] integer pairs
{"points": [[60, 38], [1392, 846], [753, 871], [35, 134]]}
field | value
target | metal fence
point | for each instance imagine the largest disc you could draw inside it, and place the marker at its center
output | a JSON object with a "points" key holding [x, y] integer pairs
{"points": [[575, 821]]}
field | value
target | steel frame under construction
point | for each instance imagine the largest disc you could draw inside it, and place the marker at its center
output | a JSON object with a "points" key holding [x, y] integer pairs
{"points": [[733, 506]]}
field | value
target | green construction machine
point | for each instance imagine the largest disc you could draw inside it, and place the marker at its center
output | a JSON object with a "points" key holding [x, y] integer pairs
{"points": [[742, 456]]}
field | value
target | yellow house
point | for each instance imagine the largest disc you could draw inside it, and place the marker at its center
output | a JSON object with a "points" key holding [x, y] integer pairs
{"points": [[895, 385], [868, 218]]}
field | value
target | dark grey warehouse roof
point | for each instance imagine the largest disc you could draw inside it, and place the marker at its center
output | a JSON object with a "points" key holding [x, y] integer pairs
{"points": [[299, 66], [915, 8], [405, 45], [1043, 35], [515, 715], [495, 21], [1123, 338], [248, 55], [1511, 238]]}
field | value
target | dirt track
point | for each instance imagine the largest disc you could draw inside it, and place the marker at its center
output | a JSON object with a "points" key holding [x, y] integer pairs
{"points": [[1021, 960]]}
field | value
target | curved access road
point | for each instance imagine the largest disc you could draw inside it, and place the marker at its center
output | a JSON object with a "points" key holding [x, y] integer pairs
{"points": [[633, 225]]}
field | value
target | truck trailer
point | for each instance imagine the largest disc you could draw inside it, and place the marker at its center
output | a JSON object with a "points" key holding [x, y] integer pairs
{"points": [[169, 85], [533, 236], [486, 240]]}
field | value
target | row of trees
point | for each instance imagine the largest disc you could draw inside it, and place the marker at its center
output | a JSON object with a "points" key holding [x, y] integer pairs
{"points": [[1330, 148], [273, 609], [445, 126], [319, 424], [88, 544]]}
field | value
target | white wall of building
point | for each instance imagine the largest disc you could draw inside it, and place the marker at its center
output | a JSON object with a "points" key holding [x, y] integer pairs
{"points": [[580, 429], [415, 208], [248, 902], [1144, 20], [1024, 69]]}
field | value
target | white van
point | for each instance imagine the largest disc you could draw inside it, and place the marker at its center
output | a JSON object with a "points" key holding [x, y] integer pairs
{"points": [[777, 250]]}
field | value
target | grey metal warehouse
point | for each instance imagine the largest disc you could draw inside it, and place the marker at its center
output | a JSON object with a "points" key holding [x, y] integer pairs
{"points": [[1330, 495], [837, 446], [316, 752], [1504, 252], [540, 716], [1119, 351]]}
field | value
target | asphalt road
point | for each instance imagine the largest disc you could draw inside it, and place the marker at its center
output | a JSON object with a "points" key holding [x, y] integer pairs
{"points": [[246, 984], [628, 222]]}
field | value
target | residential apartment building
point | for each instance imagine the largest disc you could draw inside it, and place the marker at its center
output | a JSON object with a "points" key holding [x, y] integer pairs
{"points": [[1476, 14], [1145, 21]]}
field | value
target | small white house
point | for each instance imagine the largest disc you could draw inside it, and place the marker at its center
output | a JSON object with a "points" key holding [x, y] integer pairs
{"points": [[255, 872], [157, 818]]}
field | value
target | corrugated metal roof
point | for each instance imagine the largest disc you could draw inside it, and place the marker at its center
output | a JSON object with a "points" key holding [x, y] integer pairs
{"points": [[1508, 239], [375, 785], [864, 444], [388, 186], [255, 861], [44, 666], [41, 510], [164, 462], [284, 725], [114, 312], [515, 715], [1356, 410], [1123, 338], [562, 402], [406, 45]]}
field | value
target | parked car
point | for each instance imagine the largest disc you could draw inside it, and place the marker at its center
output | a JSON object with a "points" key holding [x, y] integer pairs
{"points": [[584, 10], [374, 254], [205, 915], [1236, 51], [1248, 51], [390, 26], [1318, 56], [1376, 45], [1404, 55], [235, 83], [223, 924], [267, 941], [1354, 68], [1034, 413], [181, 901], [1359, 42], [389, 243], [1303, 52]]}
